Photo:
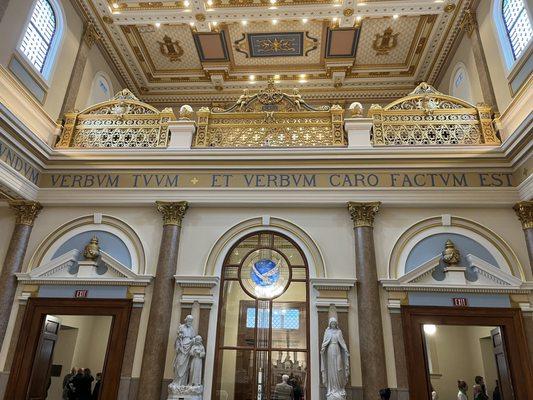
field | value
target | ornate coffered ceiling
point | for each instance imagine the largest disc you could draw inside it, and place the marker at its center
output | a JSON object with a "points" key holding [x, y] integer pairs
{"points": [[208, 51]]}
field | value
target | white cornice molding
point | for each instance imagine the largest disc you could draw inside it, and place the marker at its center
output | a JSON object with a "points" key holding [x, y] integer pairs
{"points": [[334, 284], [415, 197], [525, 189], [196, 281], [17, 183], [56, 272]]}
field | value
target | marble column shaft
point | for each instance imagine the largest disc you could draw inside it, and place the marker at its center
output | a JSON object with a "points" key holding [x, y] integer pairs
{"points": [[470, 26], [157, 334], [524, 212], [371, 343], [89, 37], [26, 212]]}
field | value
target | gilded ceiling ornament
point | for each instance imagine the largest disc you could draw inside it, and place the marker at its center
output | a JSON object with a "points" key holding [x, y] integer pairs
{"points": [[450, 255], [449, 7], [92, 249], [524, 212], [363, 214], [276, 45], [25, 211], [107, 19], [469, 23], [90, 35], [348, 12], [385, 42], [172, 212], [200, 17], [170, 49]]}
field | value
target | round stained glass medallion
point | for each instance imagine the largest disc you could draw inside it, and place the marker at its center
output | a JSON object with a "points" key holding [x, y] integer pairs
{"points": [[265, 274]]}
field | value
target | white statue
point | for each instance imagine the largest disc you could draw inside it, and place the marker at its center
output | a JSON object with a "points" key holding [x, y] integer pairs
{"points": [[335, 362], [197, 354], [184, 343]]}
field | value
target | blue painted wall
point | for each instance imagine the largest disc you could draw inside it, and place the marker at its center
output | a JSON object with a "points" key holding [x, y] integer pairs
{"points": [[108, 242]]}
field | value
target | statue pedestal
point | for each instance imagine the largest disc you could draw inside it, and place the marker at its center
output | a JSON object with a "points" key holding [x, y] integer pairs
{"points": [[176, 392]]}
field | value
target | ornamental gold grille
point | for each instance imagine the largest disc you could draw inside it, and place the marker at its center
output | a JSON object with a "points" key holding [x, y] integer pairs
{"points": [[270, 118], [428, 117], [122, 122]]}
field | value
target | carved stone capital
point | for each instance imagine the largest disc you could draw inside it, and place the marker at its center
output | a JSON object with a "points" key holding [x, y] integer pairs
{"points": [[469, 22], [363, 214], [172, 212], [90, 36], [25, 211], [524, 211]]}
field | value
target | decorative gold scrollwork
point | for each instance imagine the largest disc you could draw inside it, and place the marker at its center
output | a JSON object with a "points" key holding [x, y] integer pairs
{"points": [[122, 122], [428, 117], [270, 118]]}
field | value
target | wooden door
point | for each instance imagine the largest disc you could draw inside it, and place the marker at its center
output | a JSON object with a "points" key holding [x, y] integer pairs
{"points": [[504, 375], [42, 364]]}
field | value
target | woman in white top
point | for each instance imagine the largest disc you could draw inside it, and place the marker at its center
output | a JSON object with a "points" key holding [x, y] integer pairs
{"points": [[463, 387]]}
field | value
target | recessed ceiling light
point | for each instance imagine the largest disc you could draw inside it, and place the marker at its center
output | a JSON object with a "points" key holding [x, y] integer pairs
{"points": [[191, 23], [252, 77], [302, 81], [335, 19], [244, 22], [273, 1], [304, 20], [186, 3], [358, 18], [395, 16], [302, 76], [276, 76], [215, 23], [209, 2], [157, 24], [274, 21], [115, 5], [361, 4]]}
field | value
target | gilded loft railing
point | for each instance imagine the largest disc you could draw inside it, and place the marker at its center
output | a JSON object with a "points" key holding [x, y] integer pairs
{"points": [[428, 117], [270, 118], [122, 122]]}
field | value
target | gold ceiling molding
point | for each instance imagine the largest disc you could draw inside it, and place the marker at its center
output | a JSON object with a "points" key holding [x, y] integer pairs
{"points": [[270, 118], [122, 122], [171, 49], [428, 117], [385, 42]]}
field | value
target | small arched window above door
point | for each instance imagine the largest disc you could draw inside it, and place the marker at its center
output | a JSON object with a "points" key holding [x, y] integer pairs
{"points": [[263, 323]]}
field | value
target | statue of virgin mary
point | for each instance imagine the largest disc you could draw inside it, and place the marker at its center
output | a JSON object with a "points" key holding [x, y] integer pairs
{"points": [[335, 362]]}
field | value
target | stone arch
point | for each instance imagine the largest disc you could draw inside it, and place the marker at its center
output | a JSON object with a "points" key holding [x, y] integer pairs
{"points": [[498, 248], [106, 223], [311, 250]]}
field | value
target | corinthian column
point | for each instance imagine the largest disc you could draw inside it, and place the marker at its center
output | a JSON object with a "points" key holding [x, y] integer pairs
{"points": [[374, 372], [90, 36], [26, 212], [155, 346], [524, 211]]}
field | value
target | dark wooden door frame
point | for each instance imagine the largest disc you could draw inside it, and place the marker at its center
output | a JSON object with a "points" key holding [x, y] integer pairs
{"points": [[509, 319], [38, 308]]}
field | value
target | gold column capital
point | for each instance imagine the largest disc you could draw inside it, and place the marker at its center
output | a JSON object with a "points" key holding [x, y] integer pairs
{"points": [[25, 211], [91, 35], [524, 212], [469, 22], [363, 214], [172, 211]]}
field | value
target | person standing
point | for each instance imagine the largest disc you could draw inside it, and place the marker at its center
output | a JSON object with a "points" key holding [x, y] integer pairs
{"points": [[463, 388], [82, 384], [66, 383], [480, 389], [96, 390], [496, 395]]}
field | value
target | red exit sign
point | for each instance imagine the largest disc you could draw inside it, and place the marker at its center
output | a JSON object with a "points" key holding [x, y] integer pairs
{"points": [[81, 294], [460, 302]]}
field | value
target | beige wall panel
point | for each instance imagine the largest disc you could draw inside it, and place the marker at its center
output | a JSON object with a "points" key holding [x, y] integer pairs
{"points": [[95, 63], [488, 32], [465, 55]]}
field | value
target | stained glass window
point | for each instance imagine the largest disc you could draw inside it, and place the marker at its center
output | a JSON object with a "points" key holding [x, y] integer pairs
{"points": [[39, 34], [281, 319], [518, 25]]}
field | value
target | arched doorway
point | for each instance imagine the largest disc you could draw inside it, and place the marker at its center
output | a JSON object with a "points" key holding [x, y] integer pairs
{"points": [[263, 324]]}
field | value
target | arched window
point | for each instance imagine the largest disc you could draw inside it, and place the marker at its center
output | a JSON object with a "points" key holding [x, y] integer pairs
{"points": [[460, 83], [101, 89], [42, 35], [513, 24], [263, 324]]}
